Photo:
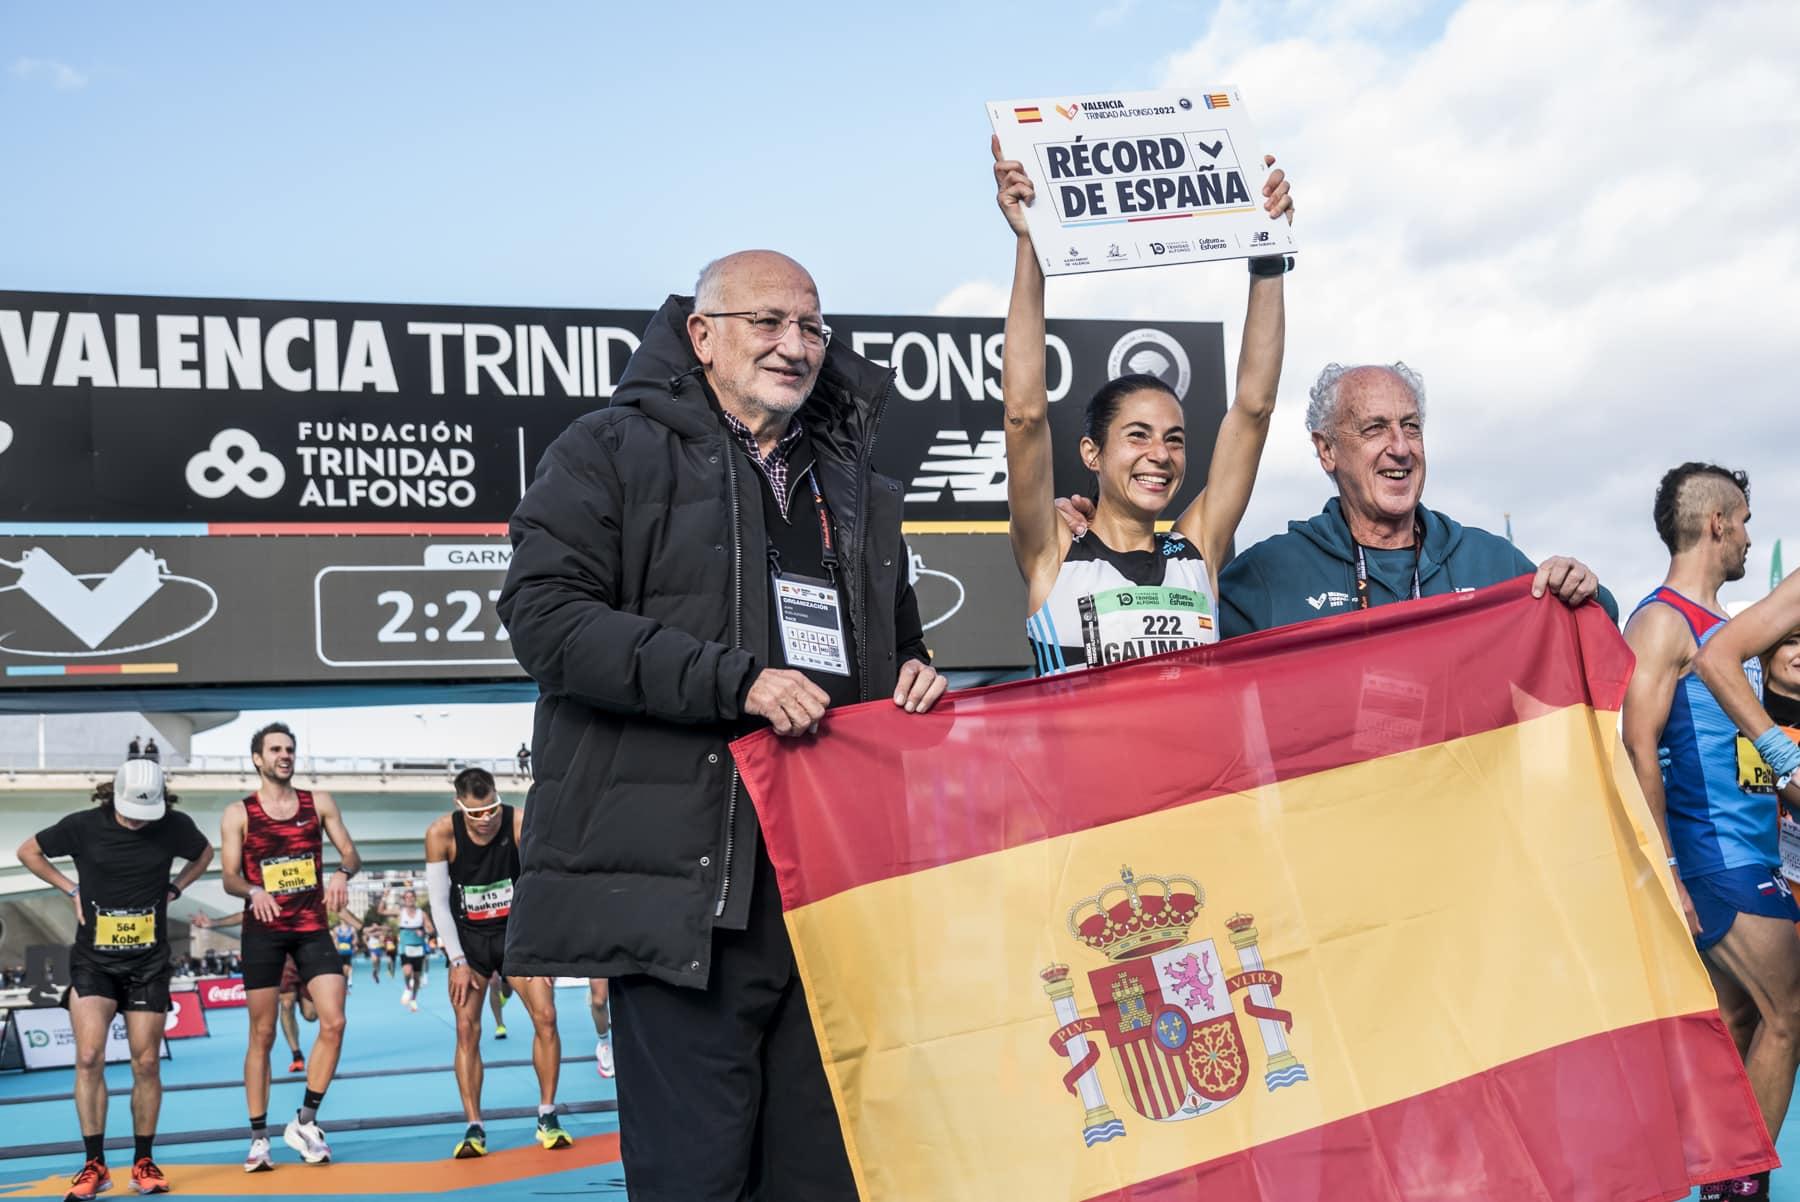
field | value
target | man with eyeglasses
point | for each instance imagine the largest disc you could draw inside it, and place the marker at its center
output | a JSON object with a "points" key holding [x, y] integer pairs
{"points": [[471, 864], [1719, 825], [710, 554]]}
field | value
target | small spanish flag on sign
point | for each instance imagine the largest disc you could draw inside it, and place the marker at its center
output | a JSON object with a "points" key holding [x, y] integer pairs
{"points": [[1028, 116], [1218, 100]]}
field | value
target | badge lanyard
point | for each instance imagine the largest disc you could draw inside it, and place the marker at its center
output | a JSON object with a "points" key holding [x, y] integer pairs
{"points": [[1362, 567], [810, 612]]}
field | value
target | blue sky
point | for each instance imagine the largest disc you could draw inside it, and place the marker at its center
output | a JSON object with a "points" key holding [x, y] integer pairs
{"points": [[558, 154], [1484, 188]]}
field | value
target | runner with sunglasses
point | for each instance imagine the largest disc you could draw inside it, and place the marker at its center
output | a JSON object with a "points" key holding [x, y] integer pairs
{"points": [[471, 861]]}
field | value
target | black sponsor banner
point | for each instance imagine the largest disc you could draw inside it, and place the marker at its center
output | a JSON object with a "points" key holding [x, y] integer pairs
{"points": [[149, 612], [141, 410]]}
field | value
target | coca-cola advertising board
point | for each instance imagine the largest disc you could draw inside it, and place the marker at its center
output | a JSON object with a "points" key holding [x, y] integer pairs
{"points": [[219, 993]]}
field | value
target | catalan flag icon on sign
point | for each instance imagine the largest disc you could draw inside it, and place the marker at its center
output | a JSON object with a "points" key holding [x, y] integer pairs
{"points": [[1218, 100], [1028, 116]]}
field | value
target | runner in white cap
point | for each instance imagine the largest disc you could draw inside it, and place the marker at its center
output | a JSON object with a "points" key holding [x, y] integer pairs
{"points": [[123, 850]]}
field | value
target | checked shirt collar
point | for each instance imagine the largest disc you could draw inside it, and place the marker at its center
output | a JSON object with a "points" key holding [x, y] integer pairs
{"points": [[775, 467]]}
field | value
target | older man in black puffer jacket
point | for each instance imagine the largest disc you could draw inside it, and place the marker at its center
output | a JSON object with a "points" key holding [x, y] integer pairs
{"points": [[734, 459]]}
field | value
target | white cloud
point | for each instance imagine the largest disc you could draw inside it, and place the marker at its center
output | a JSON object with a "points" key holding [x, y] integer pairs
{"points": [[1577, 219], [60, 76]]}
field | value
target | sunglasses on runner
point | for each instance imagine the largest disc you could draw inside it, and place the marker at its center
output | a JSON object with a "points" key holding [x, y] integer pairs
{"points": [[486, 811]]}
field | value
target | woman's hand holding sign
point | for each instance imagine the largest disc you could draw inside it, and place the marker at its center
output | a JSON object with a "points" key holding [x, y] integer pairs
{"points": [[1016, 190]]}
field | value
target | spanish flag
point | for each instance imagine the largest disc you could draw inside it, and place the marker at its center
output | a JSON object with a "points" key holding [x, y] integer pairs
{"points": [[1367, 909]]}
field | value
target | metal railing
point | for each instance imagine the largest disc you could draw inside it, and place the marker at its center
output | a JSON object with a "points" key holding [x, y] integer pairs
{"points": [[239, 765]]}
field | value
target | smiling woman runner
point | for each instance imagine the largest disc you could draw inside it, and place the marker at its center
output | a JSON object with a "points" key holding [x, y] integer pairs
{"points": [[1121, 590]]}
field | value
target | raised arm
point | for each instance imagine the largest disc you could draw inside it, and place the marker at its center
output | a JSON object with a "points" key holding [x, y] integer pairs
{"points": [[1720, 665], [1040, 539], [337, 889], [1211, 519], [1660, 640]]}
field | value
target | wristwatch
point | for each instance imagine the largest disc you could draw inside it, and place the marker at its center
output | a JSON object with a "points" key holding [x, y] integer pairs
{"points": [[174, 891], [1271, 264]]}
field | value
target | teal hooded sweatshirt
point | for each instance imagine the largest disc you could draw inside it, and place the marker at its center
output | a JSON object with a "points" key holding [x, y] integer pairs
{"points": [[1310, 572]]}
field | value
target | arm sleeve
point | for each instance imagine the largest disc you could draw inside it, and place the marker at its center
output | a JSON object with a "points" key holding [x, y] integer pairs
{"points": [[191, 844], [562, 588], [59, 838], [437, 884]]}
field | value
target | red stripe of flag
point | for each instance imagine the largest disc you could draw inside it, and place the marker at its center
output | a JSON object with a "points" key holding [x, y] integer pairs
{"points": [[1628, 1119], [1461, 659]]}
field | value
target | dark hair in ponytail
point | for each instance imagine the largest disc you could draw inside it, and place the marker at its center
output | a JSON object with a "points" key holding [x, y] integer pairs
{"points": [[1105, 404]]}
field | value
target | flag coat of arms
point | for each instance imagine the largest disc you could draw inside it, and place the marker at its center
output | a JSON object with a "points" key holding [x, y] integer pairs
{"points": [[1368, 909]]}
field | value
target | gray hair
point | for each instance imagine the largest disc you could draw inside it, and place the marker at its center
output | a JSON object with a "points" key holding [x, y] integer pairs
{"points": [[1324, 393], [709, 286]]}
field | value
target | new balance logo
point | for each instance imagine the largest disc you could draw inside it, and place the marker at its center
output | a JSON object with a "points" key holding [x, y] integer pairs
{"points": [[971, 469]]}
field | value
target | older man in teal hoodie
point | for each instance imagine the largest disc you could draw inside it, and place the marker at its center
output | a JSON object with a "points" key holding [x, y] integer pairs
{"points": [[1375, 543]]}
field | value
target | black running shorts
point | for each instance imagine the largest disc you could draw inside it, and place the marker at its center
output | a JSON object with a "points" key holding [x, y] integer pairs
{"points": [[314, 955], [142, 983]]}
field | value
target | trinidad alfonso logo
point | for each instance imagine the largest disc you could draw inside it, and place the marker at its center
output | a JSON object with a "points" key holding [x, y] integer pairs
{"points": [[1163, 1005]]}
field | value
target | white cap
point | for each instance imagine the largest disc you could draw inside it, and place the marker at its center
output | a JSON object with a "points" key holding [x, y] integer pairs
{"points": [[138, 791]]}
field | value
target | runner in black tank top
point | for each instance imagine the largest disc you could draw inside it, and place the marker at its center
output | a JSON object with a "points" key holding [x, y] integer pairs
{"points": [[1087, 605], [271, 856], [471, 862]]}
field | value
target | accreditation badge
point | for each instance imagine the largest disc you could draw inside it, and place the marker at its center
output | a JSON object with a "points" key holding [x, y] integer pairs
{"points": [[124, 930], [289, 874], [812, 624], [1137, 620]]}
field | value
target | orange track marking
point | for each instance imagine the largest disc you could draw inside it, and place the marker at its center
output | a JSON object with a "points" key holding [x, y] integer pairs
{"points": [[345, 1179]]}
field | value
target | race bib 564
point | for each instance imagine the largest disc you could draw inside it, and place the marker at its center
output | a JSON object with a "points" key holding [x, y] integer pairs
{"points": [[124, 930]]}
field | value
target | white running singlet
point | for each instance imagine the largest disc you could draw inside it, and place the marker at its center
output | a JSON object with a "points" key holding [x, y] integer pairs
{"points": [[1108, 606]]}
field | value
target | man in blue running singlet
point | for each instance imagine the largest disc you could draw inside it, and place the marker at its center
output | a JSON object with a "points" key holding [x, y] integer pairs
{"points": [[1721, 836]]}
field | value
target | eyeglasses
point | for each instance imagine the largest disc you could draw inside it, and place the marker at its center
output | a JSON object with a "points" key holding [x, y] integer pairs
{"points": [[771, 326], [487, 811]]}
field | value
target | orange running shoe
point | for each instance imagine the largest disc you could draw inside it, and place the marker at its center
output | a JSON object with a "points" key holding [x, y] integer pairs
{"points": [[146, 1178], [93, 1179]]}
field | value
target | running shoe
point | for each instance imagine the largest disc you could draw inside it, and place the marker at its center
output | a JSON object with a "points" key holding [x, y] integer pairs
{"points": [[298, 1064], [551, 1134], [93, 1179], [474, 1143], [259, 1160], [603, 1057], [499, 1029], [308, 1140], [412, 1005], [146, 1178]]}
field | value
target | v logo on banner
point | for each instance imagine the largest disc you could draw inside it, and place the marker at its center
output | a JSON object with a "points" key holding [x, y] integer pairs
{"points": [[90, 614]]}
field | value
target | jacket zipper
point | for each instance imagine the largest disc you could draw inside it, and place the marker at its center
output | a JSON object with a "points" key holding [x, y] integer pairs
{"points": [[737, 640], [863, 463]]}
